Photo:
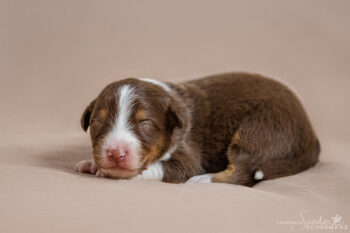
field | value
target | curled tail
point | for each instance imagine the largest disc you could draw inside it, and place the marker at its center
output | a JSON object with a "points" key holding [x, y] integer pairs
{"points": [[272, 169]]}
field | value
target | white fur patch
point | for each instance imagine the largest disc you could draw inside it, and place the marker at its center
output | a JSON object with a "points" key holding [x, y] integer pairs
{"points": [[259, 175], [156, 82], [127, 96], [205, 178], [121, 132], [155, 171], [167, 155]]}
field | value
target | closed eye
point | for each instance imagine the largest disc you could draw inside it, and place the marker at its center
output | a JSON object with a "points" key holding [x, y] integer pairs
{"points": [[97, 128], [147, 124]]}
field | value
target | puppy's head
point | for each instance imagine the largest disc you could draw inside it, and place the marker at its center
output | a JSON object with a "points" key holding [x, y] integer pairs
{"points": [[131, 126]]}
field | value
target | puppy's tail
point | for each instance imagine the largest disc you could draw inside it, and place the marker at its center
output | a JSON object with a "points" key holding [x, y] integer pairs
{"points": [[278, 168]]}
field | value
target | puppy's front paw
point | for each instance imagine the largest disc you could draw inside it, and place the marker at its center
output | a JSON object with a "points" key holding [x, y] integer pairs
{"points": [[205, 178], [86, 166], [99, 174]]}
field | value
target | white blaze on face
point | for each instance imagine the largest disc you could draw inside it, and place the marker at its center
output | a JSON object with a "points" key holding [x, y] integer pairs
{"points": [[121, 135]]}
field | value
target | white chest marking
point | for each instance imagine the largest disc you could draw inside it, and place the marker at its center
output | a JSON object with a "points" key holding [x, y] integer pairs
{"points": [[155, 171]]}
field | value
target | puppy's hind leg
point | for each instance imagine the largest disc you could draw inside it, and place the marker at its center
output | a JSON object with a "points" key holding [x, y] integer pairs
{"points": [[235, 173]]}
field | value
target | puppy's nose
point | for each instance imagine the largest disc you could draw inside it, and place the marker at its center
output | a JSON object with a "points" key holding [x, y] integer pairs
{"points": [[118, 154]]}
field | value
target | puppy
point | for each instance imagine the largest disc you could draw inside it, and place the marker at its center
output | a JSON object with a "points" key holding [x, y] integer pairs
{"points": [[233, 128]]}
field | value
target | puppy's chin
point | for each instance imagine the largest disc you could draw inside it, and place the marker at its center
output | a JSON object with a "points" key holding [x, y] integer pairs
{"points": [[119, 173]]}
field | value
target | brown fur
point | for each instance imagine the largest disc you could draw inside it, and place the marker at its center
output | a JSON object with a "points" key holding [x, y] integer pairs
{"points": [[231, 125], [255, 123], [153, 119]]}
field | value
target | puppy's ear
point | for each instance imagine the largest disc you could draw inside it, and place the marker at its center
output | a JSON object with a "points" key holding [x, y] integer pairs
{"points": [[173, 118], [85, 118]]}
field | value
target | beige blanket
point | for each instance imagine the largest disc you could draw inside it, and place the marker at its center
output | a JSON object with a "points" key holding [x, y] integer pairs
{"points": [[55, 56]]}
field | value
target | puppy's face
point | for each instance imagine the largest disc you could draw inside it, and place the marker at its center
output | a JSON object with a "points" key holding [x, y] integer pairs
{"points": [[131, 125]]}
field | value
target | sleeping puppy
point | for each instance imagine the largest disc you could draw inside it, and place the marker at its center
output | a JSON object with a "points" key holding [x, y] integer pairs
{"points": [[233, 128]]}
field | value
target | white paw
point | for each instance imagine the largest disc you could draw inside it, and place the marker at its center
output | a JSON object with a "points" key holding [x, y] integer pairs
{"points": [[206, 178], [86, 166], [259, 175]]}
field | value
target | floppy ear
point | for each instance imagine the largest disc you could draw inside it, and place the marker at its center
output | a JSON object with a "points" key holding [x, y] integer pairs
{"points": [[85, 118], [173, 118]]}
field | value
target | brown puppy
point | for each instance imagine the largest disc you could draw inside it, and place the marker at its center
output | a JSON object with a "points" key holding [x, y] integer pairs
{"points": [[234, 128]]}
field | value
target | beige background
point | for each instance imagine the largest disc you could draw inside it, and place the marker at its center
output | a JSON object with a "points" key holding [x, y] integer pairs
{"points": [[55, 56]]}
